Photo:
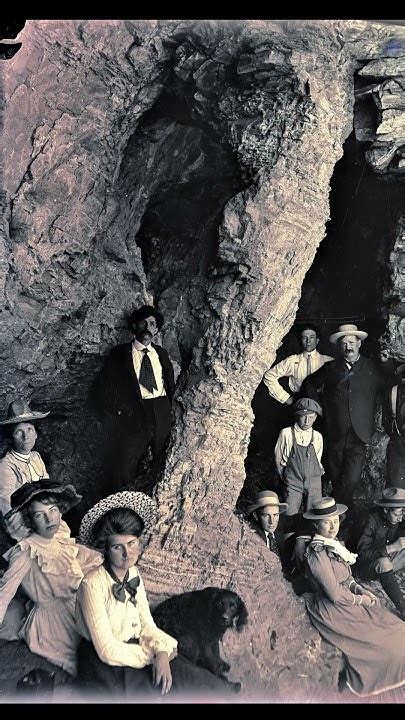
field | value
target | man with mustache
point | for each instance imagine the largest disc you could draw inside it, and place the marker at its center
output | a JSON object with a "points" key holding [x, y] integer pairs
{"points": [[347, 388], [134, 391]]}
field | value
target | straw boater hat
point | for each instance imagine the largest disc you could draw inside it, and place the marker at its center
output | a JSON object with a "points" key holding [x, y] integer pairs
{"points": [[392, 497], [347, 330], [19, 411], [66, 495], [264, 498], [142, 504], [325, 507], [305, 406]]}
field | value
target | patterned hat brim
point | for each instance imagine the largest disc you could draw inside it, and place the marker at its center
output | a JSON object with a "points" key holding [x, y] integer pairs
{"points": [[29, 417], [140, 503]]}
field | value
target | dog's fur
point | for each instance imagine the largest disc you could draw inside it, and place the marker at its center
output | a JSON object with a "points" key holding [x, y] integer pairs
{"points": [[198, 621], [36, 682]]}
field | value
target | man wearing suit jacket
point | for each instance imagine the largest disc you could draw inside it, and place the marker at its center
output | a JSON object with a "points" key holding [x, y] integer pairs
{"points": [[134, 390], [266, 511], [349, 387]]}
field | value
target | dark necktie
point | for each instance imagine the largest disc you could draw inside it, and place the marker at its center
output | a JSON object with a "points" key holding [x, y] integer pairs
{"points": [[146, 375], [271, 543], [119, 587]]}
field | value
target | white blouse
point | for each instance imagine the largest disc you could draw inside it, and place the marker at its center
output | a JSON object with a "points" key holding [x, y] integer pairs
{"points": [[284, 444], [49, 570], [109, 623]]}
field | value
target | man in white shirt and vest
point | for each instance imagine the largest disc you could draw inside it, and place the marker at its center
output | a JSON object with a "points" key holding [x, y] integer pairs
{"points": [[296, 367], [134, 390]]}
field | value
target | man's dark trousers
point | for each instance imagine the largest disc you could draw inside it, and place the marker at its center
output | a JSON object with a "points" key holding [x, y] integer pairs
{"points": [[346, 457], [131, 444]]}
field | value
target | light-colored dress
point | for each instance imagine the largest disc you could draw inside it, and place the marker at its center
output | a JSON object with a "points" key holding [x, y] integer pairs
{"points": [[16, 470], [109, 624], [49, 571], [371, 638]]}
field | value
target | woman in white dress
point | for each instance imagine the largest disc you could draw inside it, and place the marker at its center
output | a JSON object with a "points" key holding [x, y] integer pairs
{"points": [[123, 651], [48, 564], [21, 464]]}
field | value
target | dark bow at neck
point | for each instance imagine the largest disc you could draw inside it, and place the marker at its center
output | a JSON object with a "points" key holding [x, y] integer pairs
{"points": [[119, 587]]}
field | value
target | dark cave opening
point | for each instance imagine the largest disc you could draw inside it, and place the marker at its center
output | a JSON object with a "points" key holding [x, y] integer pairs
{"points": [[347, 283], [191, 173]]}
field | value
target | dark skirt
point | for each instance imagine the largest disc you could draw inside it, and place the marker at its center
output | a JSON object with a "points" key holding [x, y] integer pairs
{"points": [[95, 677]]}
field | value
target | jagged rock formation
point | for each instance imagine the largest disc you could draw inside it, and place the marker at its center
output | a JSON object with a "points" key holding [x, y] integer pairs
{"points": [[187, 163]]}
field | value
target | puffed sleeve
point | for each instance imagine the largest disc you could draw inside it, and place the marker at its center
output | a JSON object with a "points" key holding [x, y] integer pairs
{"points": [[91, 600], [88, 558], [156, 639], [8, 483], [20, 562], [321, 570]]}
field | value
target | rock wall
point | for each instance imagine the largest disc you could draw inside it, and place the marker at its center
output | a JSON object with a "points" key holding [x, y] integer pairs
{"points": [[186, 163]]}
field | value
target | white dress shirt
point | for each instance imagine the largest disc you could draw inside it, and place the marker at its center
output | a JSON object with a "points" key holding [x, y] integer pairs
{"points": [[109, 623], [284, 444], [295, 367], [137, 357]]}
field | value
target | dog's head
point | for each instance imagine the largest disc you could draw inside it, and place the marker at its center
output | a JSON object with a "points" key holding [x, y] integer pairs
{"points": [[228, 610]]}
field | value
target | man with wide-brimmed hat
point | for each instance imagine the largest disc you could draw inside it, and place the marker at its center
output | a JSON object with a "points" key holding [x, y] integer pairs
{"points": [[21, 464], [298, 455], [266, 510], [347, 388], [394, 424], [134, 392], [381, 548]]}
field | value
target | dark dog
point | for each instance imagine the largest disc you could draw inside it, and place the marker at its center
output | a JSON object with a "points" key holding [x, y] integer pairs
{"points": [[198, 621], [36, 682]]}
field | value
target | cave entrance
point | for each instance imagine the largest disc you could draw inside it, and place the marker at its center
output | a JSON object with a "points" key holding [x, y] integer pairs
{"points": [[347, 282], [177, 174]]}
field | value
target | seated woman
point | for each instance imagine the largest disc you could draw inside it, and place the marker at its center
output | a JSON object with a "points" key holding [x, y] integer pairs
{"points": [[371, 639], [49, 566], [123, 651], [21, 463]]}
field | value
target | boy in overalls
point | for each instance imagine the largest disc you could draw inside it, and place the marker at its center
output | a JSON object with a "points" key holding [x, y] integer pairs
{"points": [[298, 455]]}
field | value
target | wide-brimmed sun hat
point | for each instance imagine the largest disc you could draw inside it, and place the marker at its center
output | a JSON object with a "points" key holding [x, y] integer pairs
{"points": [[305, 406], [392, 497], [144, 312], [65, 494], [323, 508], [15, 520], [19, 411], [347, 330], [264, 498], [142, 504]]}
